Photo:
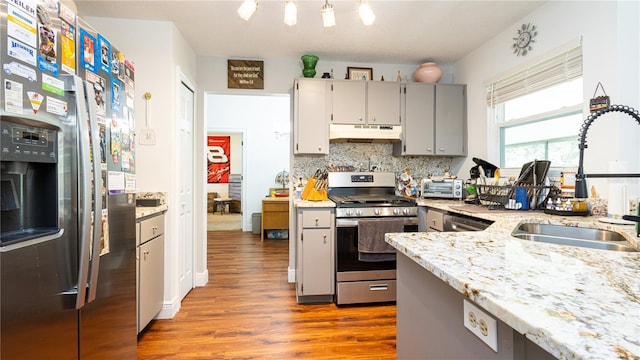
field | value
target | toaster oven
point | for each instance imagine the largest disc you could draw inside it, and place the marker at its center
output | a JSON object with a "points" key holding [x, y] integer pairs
{"points": [[445, 188]]}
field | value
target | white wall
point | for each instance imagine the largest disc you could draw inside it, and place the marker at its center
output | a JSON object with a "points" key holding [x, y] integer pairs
{"points": [[266, 153], [161, 57], [610, 55]]}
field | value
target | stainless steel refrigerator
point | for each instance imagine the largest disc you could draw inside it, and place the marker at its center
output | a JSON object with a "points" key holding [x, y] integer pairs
{"points": [[67, 254]]}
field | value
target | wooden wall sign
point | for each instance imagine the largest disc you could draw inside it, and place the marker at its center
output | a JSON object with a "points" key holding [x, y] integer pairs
{"points": [[245, 74]]}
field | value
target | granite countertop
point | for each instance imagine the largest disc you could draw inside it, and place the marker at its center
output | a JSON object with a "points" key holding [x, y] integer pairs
{"points": [[576, 303], [143, 211], [313, 204]]}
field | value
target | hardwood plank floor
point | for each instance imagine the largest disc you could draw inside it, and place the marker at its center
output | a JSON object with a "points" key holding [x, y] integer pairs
{"points": [[248, 310]]}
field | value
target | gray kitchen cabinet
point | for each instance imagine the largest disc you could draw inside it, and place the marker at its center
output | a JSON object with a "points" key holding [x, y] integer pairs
{"points": [[451, 119], [315, 265], [150, 268], [434, 120], [310, 108], [365, 102]]}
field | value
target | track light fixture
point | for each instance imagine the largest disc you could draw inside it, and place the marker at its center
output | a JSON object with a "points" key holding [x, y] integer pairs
{"points": [[247, 9], [328, 15], [366, 14], [290, 13]]}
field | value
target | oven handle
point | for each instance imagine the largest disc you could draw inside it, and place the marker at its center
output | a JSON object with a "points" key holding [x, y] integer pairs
{"points": [[353, 222]]}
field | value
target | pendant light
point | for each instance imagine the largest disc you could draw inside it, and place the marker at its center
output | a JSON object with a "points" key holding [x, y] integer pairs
{"points": [[247, 9], [290, 13], [328, 15], [366, 13]]}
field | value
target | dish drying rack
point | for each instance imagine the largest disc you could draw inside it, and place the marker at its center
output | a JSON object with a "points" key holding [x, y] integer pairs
{"points": [[500, 194]]}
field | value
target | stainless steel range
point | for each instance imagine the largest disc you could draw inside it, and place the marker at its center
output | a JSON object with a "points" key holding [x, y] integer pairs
{"points": [[366, 208]]}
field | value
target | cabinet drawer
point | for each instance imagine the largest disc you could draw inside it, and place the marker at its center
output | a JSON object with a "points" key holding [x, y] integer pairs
{"points": [[316, 219], [275, 206], [366, 291], [151, 227]]}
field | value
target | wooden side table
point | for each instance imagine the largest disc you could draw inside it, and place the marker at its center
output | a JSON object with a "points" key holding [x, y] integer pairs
{"points": [[220, 204], [275, 214]]}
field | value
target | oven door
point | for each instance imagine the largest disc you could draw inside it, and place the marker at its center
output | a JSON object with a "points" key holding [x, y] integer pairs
{"points": [[347, 264]]}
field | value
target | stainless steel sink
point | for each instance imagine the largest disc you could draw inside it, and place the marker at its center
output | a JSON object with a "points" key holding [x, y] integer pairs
{"points": [[573, 236]]}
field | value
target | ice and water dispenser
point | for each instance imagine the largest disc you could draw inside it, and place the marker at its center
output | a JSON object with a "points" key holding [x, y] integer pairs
{"points": [[29, 180]]}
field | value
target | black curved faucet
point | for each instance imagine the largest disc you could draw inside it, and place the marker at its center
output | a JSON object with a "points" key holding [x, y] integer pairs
{"points": [[581, 183]]}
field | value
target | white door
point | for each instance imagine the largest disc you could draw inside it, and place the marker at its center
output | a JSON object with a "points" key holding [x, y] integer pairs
{"points": [[186, 219]]}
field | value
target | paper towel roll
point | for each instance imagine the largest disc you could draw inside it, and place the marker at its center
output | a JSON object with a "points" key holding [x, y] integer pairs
{"points": [[618, 201]]}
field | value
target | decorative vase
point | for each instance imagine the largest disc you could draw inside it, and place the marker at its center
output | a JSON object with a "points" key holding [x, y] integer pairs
{"points": [[428, 72], [309, 62]]}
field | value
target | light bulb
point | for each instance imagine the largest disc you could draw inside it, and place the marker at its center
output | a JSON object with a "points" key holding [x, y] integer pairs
{"points": [[328, 15], [366, 14], [247, 9], [290, 13]]}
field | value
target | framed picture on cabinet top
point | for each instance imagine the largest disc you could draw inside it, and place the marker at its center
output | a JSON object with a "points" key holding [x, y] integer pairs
{"points": [[357, 73]]}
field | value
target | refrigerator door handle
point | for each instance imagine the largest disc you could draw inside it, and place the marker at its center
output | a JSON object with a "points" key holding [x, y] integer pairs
{"points": [[84, 161], [97, 192]]}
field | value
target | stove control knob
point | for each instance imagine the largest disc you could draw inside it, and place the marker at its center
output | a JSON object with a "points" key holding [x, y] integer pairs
{"points": [[359, 212], [405, 211], [396, 211], [377, 211], [349, 212]]}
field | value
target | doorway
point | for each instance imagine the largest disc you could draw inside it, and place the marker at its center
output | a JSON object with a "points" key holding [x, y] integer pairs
{"points": [[224, 180], [265, 123]]}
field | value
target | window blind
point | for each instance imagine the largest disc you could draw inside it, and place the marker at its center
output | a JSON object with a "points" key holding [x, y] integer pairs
{"points": [[560, 68]]}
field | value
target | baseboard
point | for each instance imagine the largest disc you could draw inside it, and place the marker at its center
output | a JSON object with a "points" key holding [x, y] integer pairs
{"points": [[291, 275], [202, 278], [169, 309]]}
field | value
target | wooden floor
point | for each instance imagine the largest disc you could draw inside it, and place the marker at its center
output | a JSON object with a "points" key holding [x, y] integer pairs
{"points": [[248, 311]]}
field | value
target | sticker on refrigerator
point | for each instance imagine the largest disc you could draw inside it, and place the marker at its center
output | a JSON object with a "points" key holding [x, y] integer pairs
{"points": [[36, 100], [12, 96], [16, 68], [57, 107], [87, 58], [66, 14], [129, 183], [68, 47], [52, 85], [116, 140], [19, 50], [117, 64], [116, 95], [99, 85], [21, 26], [104, 240], [116, 182], [105, 53], [47, 57]]}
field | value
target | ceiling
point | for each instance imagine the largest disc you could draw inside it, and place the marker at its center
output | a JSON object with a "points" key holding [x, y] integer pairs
{"points": [[404, 32]]}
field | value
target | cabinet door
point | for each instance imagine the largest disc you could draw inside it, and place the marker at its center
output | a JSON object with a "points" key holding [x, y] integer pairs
{"points": [[348, 102], [383, 103], [151, 284], [311, 126], [451, 112], [418, 127], [317, 254]]}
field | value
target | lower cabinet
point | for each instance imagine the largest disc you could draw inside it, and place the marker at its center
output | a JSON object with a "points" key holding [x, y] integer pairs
{"points": [[150, 268], [315, 265]]}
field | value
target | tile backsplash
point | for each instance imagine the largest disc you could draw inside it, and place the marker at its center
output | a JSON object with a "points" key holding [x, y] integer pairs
{"points": [[364, 156]]}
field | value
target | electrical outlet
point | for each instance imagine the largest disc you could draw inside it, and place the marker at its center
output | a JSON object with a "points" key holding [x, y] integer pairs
{"points": [[481, 324]]}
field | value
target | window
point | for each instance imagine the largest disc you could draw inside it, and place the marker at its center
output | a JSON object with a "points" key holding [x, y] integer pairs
{"points": [[537, 112]]}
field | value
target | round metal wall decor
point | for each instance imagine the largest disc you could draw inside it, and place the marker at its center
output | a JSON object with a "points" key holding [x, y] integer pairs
{"points": [[522, 42]]}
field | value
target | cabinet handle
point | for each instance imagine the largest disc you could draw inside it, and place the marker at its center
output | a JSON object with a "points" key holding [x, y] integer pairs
{"points": [[381, 287], [428, 149], [317, 221], [441, 149], [360, 118], [145, 253], [324, 238], [373, 119], [319, 148]]}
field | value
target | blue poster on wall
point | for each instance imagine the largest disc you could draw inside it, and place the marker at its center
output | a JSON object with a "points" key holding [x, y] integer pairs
{"points": [[105, 53], [88, 58]]}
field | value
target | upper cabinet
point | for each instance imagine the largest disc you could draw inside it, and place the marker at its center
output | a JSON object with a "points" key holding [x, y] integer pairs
{"points": [[365, 102], [434, 120], [310, 116]]}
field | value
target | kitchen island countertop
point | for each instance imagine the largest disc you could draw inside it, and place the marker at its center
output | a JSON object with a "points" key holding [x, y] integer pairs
{"points": [[144, 211], [576, 303]]}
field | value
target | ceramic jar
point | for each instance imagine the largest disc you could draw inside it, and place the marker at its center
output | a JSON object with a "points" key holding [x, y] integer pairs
{"points": [[309, 63], [428, 72]]}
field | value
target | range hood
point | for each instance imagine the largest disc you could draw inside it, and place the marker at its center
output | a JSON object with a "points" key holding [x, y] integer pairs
{"points": [[364, 133]]}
